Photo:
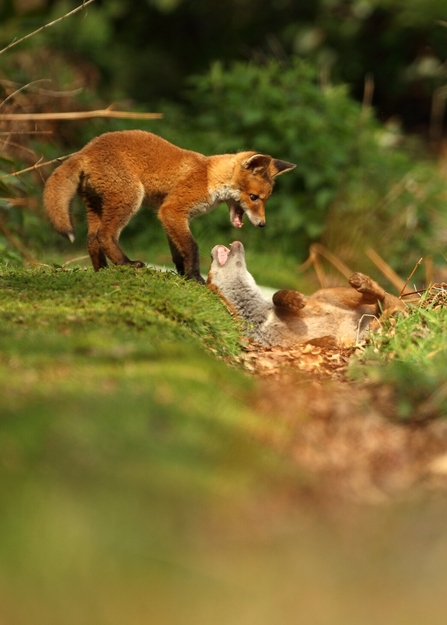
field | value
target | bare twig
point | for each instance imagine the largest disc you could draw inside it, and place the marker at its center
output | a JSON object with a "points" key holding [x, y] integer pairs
{"points": [[75, 260], [409, 277], [17, 201], [321, 276], [17, 244], [79, 115], [418, 292], [48, 92], [25, 132], [14, 43], [316, 249], [7, 142], [368, 93], [22, 88], [386, 270], [36, 166], [394, 192]]}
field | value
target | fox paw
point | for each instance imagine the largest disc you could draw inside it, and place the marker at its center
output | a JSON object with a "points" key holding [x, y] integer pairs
{"points": [[291, 300], [364, 284], [360, 282], [138, 264]]}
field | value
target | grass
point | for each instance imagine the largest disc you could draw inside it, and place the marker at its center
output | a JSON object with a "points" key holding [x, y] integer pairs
{"points": [[409, 356]]}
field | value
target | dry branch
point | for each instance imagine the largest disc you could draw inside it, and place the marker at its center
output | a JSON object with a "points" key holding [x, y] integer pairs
{"points": [[36, 166], [78, 115], [26, 132], [14, 43], [17, 244], [409, 278], [386, 270], [17, 87], [318, 249]]}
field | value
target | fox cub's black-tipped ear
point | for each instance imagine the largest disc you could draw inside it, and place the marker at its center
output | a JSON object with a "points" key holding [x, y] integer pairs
{"points": [[258, 163], [280, 167]]}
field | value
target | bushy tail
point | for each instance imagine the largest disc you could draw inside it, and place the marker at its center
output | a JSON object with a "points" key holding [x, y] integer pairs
{"points": [[59, 191]]}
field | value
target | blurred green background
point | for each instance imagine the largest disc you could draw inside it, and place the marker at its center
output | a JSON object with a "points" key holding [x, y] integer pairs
{"points": [[352, 92]]}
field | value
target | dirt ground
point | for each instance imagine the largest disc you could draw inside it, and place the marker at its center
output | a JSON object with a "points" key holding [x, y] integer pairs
{"points": [[343, 433]]}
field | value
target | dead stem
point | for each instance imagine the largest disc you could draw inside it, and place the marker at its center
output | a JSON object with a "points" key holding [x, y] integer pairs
{"points": [[17, 41], [385, 269], [409, 277], [108, 112], [17, 244], [36, 166]]}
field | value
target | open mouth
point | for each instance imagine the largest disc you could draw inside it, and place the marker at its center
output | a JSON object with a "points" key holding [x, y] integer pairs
{"points": [[236, 215]]}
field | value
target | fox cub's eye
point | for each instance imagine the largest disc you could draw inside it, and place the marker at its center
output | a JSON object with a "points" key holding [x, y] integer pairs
{"points": [[254, 197]]}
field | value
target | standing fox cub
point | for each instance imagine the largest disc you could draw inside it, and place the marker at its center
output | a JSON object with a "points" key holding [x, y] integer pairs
{"points": [[333, 316], [117, 171]]}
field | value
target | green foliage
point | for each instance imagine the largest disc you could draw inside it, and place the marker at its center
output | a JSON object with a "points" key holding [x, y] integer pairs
{"points": [[409, 357], [402, 44], [352, 186]]}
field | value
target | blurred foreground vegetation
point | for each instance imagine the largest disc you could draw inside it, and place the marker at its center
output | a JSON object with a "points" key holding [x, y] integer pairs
{"points": [[141, 481]]}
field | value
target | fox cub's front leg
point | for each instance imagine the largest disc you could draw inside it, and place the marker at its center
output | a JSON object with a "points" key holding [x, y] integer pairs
{"points": [[184, 248]]}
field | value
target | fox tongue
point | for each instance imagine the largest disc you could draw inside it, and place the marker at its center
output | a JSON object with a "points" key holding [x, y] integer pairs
{"points": [[236, 217], [237, 221]]}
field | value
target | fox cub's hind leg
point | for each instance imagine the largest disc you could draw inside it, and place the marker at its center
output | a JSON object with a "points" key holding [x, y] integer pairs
{"points": [[372, 293], [370, 290], [97, 256], [106, 217]]}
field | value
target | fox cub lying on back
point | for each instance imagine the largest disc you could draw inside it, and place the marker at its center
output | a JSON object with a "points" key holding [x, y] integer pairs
{"points": [[117, 171], [334, 316]]}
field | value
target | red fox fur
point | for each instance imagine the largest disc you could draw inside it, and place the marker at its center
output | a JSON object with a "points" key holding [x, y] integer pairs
{"points": [[117, 171], [337, 316]]}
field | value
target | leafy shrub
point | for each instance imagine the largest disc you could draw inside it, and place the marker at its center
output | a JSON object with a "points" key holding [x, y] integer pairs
{"points": [[352, 186]]}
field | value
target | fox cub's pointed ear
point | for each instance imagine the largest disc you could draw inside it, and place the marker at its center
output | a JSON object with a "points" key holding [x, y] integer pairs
{"points": [[258, 163], [280, 167]]}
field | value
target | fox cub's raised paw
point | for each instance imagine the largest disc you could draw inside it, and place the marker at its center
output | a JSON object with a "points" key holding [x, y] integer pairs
{"points": [[364, 284]]}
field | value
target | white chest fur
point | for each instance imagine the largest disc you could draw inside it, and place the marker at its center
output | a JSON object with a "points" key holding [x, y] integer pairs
{"points": [[223, 193]]}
